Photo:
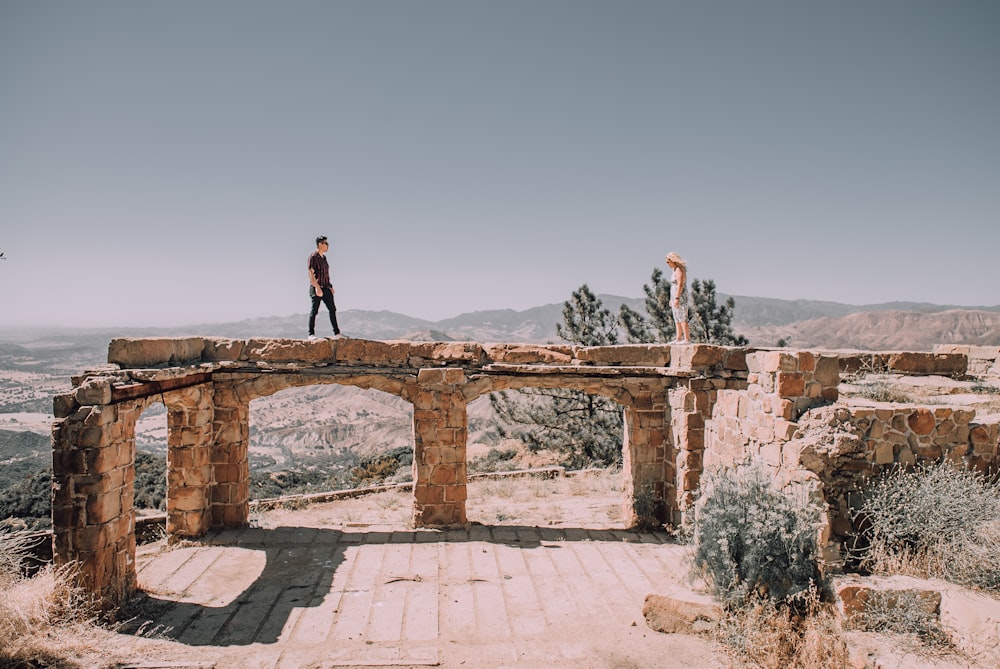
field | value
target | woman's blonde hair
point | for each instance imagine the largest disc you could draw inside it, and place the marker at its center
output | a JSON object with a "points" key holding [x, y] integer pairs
{"points": [[676, 259]]}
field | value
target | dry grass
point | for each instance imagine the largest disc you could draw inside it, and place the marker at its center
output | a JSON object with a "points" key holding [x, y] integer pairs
{"points": [[936, 521], [768, 635], [549, 501], [45, 620]]}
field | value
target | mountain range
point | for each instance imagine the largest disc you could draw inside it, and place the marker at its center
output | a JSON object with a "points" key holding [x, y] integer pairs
{"points": [[764, 321]]}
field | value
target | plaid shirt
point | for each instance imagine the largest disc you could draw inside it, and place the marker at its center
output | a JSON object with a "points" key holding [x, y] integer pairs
{"points": [[320, 267]]}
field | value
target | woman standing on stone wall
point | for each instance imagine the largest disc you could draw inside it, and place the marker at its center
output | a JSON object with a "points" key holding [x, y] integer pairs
{"points": [[679, 297]]}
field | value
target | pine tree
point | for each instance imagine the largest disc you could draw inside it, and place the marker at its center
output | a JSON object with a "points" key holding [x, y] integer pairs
{"points": [[658, 308], [636, 328], [586, 321], [586, 429], [710, 323]]}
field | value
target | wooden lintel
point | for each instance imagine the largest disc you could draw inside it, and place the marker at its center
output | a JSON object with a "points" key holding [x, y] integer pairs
{"points": [[146, 388]]}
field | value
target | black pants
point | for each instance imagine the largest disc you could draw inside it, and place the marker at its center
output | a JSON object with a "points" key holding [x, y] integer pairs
{"points": [[327, 299]]}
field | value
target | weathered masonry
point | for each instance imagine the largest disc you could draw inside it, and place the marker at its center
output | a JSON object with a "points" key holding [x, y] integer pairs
{"points": [[677, 401]]}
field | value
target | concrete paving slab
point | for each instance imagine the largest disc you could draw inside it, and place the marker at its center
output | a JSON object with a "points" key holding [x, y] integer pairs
{"points": [[505, 596]]}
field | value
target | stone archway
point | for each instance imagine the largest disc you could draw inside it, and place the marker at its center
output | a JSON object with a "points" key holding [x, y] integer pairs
{"points": [[207, 385], [647, 451]]}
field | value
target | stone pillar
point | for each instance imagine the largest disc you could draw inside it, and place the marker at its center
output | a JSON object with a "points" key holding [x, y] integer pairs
{"points": [[787, 384], [93, 490], [647, 461], [190, 419], [690, 408], [440, 433], [230, 458]]}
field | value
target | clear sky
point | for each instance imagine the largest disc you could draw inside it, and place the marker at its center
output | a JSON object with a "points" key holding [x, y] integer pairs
{"points": [[171, 163]]}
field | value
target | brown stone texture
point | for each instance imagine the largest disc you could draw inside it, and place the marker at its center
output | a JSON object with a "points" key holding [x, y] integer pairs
{"points": [[289, 350], [647, 355], [528, 354], [941, 364], [921, 421], [155, 351], [681, 615]]}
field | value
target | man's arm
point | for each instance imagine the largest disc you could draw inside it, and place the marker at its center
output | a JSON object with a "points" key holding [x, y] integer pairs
{"points": [[315, 284]]}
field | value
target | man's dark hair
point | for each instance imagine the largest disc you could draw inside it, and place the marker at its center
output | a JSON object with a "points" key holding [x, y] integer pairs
{"points": [[320, 239]]}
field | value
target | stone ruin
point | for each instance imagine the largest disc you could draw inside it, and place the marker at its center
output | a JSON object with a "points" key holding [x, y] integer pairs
{"points": [[685, 408]]}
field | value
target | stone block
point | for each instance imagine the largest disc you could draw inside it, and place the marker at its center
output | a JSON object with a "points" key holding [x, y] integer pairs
{"points": [[696, 356], [790, 384], [690, 614], [290, 350], [528, 354], [64, 405], [853, 597], [93, 392], [735, 359], [443, 352], [104, 508], [827, 371], [779, 361], [188, 499], [921, 421], [221, 349], [807, 361], [883, 453], [440, 377], [851, 362], [130, 352], [635, 355], [939, 364], [375, 353]]}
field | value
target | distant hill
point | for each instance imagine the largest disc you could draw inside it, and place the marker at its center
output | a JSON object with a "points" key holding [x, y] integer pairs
{"points": [[886, 330]]}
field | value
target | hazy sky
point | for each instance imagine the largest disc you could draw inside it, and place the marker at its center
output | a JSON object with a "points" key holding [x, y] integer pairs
{"points": [[171, 163]]}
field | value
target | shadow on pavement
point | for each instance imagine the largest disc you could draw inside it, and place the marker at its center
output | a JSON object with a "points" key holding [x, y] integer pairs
{"points": [[298, 572]]}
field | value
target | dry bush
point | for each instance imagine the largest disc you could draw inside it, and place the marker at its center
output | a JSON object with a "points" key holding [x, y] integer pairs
{"points": [[803, 634], [935, 521], [904, 612]]}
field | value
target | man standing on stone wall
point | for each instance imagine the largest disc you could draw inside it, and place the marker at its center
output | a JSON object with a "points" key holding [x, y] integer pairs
{"points": [[320, 289]]}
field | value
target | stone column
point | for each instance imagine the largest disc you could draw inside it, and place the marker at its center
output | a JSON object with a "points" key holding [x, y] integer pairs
{"points": [[93, 490], [190, 418], [690, 408], [230, 458], [440, 433], [647, 463]]}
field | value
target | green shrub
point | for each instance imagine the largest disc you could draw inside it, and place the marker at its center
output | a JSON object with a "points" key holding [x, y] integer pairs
{"points": [[495, 460], [932, 520], [378, 467], [650, 509], [753, 540]]}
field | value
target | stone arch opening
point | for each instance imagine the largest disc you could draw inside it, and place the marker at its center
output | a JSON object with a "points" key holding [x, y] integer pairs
{"points": [[647, 473], [561, 491], [312, 438], [151, 445]]}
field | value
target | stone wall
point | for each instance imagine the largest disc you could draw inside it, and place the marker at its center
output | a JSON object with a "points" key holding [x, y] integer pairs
{"points": [[788, 421], [984, 361]]}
